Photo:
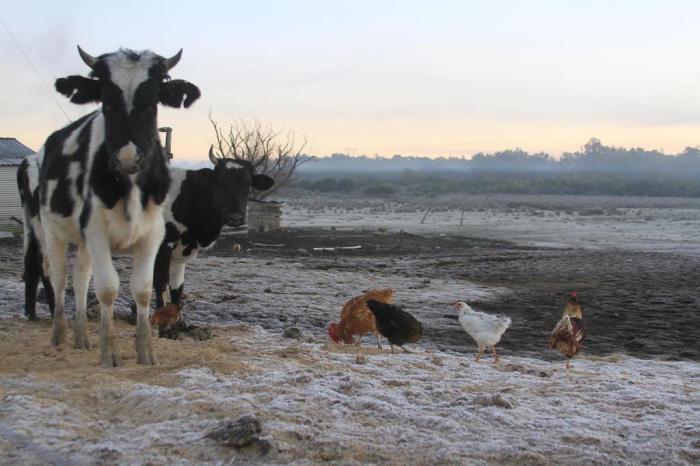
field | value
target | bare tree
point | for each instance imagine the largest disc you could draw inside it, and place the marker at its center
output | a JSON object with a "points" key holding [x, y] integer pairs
{"points": [[272, 152]]}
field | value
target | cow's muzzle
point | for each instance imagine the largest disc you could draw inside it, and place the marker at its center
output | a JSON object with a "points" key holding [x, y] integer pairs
{"points": [[128, 161]]}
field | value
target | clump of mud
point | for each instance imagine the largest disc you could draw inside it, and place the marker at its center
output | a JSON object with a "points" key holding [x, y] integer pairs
{"points": [[181, 329], [240, 433]]}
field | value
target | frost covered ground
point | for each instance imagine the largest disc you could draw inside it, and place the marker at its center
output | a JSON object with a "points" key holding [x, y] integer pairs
{"points": [[324, 403], [321, 403], [594, 222]]}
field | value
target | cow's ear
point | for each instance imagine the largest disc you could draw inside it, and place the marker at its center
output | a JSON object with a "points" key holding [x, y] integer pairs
{"points": [[173, 92], [79, 89], [262, 182]]}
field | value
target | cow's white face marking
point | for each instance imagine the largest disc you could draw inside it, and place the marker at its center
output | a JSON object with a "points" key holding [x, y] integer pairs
{"points": [[128, 74], [128, 154], [234, 166]]}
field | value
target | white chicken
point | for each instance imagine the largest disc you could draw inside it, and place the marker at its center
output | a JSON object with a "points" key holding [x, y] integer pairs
{"points": [[485, 329]]}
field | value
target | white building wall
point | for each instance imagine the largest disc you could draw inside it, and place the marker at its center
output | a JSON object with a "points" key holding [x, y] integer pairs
{"points": [[10, 204]]}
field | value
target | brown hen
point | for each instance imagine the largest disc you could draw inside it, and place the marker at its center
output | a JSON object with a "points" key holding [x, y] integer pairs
{"points": [[357, 320], [569, 333]]}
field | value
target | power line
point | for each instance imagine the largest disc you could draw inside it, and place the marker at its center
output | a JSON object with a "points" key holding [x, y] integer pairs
{"points": [[35, 70]]}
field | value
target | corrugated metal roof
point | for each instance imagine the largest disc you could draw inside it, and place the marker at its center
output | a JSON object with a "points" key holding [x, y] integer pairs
{"points": [[12, 151]]}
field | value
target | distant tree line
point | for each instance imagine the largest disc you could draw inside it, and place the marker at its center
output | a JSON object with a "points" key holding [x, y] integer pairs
{"points": [[595, 169], [593, 156], [580, 183]]}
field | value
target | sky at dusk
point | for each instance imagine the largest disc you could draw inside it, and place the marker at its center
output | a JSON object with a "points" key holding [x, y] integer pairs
{"points": [[383, 77]]}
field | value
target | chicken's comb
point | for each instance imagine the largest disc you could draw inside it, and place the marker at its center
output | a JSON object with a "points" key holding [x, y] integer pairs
{"points": [[573, 294]]}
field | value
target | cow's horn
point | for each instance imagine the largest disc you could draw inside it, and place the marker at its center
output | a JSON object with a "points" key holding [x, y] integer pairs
{"points": [[87, 58], [212, 157], [172, 61]]}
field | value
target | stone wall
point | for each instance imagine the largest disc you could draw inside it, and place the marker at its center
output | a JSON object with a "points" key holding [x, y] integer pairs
{"points": [[264, 216]]}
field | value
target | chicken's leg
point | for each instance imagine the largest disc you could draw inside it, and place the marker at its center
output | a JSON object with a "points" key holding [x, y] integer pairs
{"points": [[379, 341], [480, 353], [495, 355], [568, 366], [392, 349]]}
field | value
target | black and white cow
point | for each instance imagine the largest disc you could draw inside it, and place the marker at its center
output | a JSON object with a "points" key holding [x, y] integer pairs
{"points": [[102, 181], [199, 204]]}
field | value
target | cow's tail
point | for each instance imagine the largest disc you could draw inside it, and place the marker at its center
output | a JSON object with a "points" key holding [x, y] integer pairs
{"points": [[25, 195]]}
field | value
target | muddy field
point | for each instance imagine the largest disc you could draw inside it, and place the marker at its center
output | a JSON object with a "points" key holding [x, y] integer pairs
{"points": [[640, 303]]}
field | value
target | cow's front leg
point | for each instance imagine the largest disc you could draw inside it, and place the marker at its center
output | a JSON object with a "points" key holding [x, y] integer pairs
{"points": [[144, 255], [56, 251], [81, 280], [107, 288], [177, 280]]}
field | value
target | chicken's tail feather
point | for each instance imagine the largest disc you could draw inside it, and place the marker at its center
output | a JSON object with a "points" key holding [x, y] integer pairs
{"points": [[504, 324]]}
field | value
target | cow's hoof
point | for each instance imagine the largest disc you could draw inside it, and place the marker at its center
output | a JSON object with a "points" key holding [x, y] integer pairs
{"points": [[109, 350], [59, 336], [144, 351], [147, 358], [81, 341], [144, 345], [110, 358]]}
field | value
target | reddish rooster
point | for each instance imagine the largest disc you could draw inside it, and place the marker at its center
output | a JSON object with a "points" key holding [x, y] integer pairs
{"points": [[165, 317], [569, 333], [356, 319]]}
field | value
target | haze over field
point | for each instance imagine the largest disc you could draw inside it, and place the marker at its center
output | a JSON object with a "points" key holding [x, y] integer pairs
{"points": [[417, 78]]}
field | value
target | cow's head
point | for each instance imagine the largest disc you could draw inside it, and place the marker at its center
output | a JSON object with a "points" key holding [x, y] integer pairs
{"points": [[130, 85], [236, 178]]}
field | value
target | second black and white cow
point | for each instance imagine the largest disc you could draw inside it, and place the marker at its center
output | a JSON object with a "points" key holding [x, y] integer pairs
{"points": [[101, 183], [200, 203]]}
